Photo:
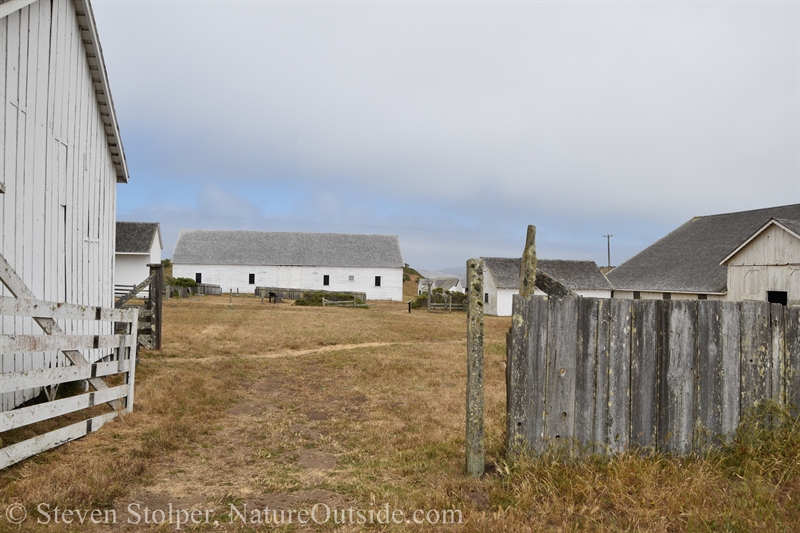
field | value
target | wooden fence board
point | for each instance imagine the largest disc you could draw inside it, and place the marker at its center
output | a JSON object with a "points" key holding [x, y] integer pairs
{"points": [[644, 373], [709, 373], [730, 325], [29, 415], [561, 353], [28, 307], [586, 369], [619, 375], [50, 376], [777, 351], [537, 348], [518, 374], [22, 450], [792, 375], [679, 367], [601, 387], [43, 343], [755, 353]]}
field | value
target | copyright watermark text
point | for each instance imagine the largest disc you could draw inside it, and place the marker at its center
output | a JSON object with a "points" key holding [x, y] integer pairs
{"points": [[180, 518]]}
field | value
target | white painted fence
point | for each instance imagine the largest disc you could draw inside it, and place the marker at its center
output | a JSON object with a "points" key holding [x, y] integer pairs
{"points": [[122, 348]]}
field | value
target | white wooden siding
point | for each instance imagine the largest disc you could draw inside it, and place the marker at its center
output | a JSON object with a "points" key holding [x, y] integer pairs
{"points": [[58, 210], [768, 263], [236, 278]]}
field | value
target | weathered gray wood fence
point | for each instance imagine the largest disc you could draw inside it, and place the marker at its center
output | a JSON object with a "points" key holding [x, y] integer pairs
{"points": [[673, 375], [149, 334]]}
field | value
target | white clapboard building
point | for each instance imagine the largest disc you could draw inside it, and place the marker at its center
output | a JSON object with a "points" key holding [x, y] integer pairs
{"points": [[138, 245], [746, 255], [243, 260], [501, 280], [61, 158]]}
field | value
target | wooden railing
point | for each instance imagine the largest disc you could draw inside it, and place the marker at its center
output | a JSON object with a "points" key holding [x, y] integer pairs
{"points": [[122, 350]]}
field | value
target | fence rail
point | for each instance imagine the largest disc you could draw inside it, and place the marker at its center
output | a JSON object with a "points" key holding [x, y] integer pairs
{"points": [[673, 375], [121, 360]]}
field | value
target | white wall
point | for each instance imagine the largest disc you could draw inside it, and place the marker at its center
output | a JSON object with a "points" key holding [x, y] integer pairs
{"points": [[236, 277], [648, 295], [58, 211], [131, 269]]}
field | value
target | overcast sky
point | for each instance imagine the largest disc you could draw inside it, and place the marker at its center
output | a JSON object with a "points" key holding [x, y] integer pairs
{"points": [[454, 124]]}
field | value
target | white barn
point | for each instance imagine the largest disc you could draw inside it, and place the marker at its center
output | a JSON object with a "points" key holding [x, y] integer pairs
{"points": [[746, 255], [501, 280], [61, 158], [138, 244], [242, 260]]}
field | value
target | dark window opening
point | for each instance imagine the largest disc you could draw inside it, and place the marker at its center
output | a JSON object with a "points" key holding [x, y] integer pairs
{"points": [[326, 279], [702, 296], [252, 280], [637, 295], [777, 297], [486, 297], [198, 277], [377, 281], [667, 296]]}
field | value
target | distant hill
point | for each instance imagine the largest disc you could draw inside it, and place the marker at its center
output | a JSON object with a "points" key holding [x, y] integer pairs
{"points": [[460, 272]]}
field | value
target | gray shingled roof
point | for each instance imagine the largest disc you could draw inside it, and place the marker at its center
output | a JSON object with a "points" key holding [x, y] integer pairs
{"points": [[208, 247], [136, 237], [576, 275], [687, 259]]}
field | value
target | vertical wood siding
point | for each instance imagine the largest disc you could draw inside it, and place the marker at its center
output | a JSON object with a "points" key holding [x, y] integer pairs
{"points": [[674, 376], [58, 210]]}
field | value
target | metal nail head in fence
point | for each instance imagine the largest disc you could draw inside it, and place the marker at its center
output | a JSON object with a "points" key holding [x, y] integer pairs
{"points": [[476, 452]]}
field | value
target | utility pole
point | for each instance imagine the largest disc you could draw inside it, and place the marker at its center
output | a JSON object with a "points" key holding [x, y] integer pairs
{"points": [[608, 239]]}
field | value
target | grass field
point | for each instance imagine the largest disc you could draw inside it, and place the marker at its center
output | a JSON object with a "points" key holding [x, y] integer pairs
{"points": [[252, 406]]}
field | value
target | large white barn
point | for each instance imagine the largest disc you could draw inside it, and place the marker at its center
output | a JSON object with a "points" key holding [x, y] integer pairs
{"points": [[242, 260], [61, 158], [501, 280]]}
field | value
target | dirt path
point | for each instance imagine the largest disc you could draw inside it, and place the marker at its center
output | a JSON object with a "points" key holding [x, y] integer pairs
{"points": [[314, 351]]}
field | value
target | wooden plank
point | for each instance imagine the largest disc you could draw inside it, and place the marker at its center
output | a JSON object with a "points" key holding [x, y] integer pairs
{"points": [[537, 359], [601, 421], [51, 376], [22, 450], [730, 325], [561, 356], [679, 384], [40, 309], [585, 370], [644, 373], [45, 411], [43, 343], [755, 356], [777, 352], [518, 376], [710, 373], [792, 374], [619, 375]]}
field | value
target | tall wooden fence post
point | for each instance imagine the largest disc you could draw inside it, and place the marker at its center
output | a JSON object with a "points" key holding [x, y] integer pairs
{"points": [[476, 453], [156, 292], [430, 284], [527, 269]]}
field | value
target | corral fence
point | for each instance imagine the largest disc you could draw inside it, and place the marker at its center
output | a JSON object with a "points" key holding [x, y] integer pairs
{"points": [[184, 292], [673, 375], [296, 294], [342, 303], [149, 334], [26, 369]]}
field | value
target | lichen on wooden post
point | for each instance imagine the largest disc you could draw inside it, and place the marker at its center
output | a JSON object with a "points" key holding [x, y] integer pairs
{"points": [[527, 269], [476, 453]]}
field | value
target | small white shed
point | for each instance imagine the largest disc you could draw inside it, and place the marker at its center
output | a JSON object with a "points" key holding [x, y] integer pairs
{"points": [[138, 245], [501, 280]]}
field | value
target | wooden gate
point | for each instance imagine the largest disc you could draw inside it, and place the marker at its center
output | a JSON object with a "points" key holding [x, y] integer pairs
{"points": [[121, 360]]}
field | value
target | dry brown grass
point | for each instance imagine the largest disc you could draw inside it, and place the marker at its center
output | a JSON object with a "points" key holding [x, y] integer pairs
{"points": [[284, 407]]}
